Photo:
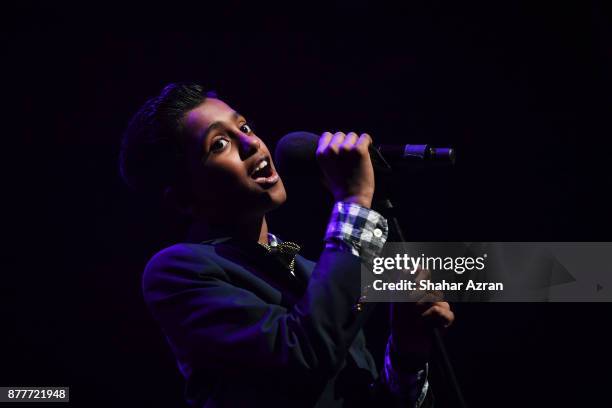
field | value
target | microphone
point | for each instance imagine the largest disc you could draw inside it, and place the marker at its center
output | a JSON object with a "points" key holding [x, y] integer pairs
{"points": [[295, 153]]}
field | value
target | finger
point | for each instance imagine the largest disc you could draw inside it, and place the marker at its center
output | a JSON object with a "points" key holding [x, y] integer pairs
{"points": [[432, 297], [364, 141], [416, 295], [440, 295], [324, 142], [442, 316], [429, 298], [349, 141], [450, 318], [441, 306], [425, 299], [422, 274], [447, 318], [336, 141]]}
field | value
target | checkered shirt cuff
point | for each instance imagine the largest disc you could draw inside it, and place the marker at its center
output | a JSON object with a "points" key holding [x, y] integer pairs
{"points": [[361, 230]]}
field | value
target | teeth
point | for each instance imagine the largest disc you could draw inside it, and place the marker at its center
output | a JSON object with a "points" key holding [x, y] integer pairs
{"points": [[260, 166]]}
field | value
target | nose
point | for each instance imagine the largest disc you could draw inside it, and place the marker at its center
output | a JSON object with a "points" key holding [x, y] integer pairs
{"points": [[249, 145]]}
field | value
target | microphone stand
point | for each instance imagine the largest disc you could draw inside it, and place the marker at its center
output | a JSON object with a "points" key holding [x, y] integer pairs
{"points": [[384, 205]]}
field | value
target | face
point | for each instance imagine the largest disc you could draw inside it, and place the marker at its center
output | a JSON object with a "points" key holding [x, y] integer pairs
{"points": [[232, 173]]}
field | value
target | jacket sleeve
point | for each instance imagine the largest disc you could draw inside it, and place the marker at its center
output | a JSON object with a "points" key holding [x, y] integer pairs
{"points": [[214, 324]]}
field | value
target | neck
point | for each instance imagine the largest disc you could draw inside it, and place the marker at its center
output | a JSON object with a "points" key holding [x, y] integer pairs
{"points": [[255, 229]]}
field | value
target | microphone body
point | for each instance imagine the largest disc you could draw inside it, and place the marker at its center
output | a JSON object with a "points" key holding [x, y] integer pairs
{"points": [[421, 152]]}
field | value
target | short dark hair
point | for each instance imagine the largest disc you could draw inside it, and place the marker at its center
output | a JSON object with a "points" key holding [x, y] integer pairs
{"points": [[152, 148]]}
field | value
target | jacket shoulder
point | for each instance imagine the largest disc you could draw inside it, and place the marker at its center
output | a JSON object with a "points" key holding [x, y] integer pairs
{"points": [[179, 264]]}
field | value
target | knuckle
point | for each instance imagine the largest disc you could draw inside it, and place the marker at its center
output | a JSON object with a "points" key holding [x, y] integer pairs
{"points": [[367, 140], [363, 147]]}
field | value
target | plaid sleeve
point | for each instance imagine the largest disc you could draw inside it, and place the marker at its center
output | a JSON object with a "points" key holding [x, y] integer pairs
{"points": [[409, 387], [361, 230]]}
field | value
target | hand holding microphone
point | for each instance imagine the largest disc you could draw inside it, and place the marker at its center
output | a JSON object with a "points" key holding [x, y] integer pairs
{"points": [[345, 162]]}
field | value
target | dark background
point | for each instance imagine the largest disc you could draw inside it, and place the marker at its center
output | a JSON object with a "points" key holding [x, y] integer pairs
{"points": [[522, 90]]}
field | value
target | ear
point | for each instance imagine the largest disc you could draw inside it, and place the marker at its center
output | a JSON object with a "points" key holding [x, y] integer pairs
{"points": [[178, 200]]}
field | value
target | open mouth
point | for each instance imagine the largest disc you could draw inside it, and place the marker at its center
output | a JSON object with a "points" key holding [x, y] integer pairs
{"points": [[263, 173], [262, 169]]}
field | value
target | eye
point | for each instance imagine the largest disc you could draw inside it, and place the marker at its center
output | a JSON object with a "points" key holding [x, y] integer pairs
{"points": [[246, 128], [218, 145]]}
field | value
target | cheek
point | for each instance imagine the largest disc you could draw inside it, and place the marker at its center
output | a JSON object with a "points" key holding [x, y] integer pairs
{"points": [[215, 180]]}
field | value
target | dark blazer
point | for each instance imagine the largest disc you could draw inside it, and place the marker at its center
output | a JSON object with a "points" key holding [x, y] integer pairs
{"points": [[246, 332]]}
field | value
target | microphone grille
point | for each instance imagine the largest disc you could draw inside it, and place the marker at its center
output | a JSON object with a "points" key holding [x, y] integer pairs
{"points": [[295, 154]]}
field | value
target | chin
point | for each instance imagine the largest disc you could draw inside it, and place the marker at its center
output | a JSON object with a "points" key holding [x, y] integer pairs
{"points": [[277, 196], [256, 201], [273, 198]]}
